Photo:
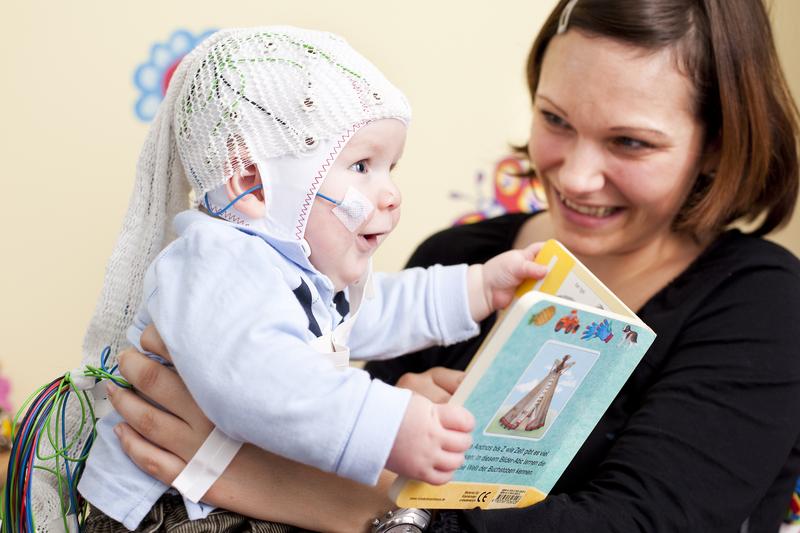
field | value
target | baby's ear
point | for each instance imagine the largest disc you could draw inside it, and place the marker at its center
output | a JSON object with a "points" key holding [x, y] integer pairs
{"points": [[251, 204]]}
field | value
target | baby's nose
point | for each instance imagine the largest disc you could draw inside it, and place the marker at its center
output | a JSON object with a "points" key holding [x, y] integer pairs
{"points": [[390, 197]]}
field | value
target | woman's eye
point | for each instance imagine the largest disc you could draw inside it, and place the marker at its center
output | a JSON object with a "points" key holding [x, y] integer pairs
{"points": [[629, 143], [360, 167], [554, 120]]}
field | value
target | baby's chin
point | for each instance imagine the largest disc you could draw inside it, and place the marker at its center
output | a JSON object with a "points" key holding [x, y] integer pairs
{"points": [[351, 278]]}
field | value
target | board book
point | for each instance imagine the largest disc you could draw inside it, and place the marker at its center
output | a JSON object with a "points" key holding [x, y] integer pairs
{"points": [[544, 376]]}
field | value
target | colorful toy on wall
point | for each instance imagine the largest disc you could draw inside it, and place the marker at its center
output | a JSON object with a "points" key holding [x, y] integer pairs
{"points": [[511, 192], [5, 413], [152, 77]]}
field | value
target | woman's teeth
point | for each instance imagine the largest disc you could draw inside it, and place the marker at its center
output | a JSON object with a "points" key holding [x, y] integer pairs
{"points": [[588, 210]]}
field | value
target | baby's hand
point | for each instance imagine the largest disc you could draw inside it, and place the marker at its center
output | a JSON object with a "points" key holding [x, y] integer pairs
{"points": [[492, 285], [431, 442]]}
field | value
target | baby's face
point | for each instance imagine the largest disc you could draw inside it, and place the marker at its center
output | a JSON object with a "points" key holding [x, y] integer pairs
{"points": [[364, 164]]}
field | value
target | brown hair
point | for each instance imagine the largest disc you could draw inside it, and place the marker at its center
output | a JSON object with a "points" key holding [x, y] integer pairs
{"points": [[726, 48]]}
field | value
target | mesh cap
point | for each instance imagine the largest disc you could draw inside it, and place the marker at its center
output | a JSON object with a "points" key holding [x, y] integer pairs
{"points": [[264, 96]]}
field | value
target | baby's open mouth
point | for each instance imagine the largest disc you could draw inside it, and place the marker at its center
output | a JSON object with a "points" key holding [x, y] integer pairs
{"points": [[371, 239]]}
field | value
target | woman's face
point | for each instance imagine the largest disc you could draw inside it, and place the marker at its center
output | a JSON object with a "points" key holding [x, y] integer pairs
{"points": [[615, 141]]}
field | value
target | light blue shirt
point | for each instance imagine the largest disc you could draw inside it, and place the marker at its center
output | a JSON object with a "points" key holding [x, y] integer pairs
{"points": [[222, 300]]}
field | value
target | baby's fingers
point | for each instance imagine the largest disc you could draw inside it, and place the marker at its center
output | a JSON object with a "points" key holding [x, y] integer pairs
{"points": [[456, 441], [455, 417], [437, 477], [532, 250], [533, 270], [449, 462]]}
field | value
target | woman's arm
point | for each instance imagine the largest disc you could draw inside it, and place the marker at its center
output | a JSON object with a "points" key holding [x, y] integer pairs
{"points": [[257, 483]]}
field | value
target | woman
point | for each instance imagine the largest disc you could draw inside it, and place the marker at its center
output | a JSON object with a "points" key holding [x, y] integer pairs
{"points": [[656, 124]]}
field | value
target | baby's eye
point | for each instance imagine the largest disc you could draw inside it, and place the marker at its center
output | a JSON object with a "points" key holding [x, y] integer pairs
{"points": [[360, 167]]}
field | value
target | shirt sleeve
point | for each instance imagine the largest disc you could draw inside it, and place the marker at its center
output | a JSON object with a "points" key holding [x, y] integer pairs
{"points": [[237, 334], [712, 432], [411, 310]]}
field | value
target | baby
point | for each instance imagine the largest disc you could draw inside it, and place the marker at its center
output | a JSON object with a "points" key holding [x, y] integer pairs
{"points": [[287, 138]]}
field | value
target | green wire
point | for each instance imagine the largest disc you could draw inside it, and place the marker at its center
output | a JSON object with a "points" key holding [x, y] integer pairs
{"points": [[54, 428]]}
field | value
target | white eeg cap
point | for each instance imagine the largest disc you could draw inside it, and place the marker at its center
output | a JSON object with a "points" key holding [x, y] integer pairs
{"points": [[268, 96]]}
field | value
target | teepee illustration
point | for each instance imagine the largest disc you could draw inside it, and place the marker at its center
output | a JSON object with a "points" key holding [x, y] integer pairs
{"points": [[532, 408]]}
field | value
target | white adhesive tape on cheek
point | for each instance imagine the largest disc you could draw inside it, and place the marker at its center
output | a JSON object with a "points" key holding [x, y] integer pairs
{"points": [[353, 210], [207, 465]]}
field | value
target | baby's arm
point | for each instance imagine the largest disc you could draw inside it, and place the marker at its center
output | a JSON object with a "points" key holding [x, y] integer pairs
{"points": [[492, 284], [411, 310], [421, 307]]}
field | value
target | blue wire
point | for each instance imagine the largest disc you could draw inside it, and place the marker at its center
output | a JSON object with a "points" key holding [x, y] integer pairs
{"points": [[245, 193], [104, 358], [230, 204], [328, 198]]}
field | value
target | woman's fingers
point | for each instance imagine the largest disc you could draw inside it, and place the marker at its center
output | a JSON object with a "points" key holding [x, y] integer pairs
{"points": [[151, 342], [424, 385], [437, 384], [446, 378], [160, 384], [160, 464], [159, 427]]}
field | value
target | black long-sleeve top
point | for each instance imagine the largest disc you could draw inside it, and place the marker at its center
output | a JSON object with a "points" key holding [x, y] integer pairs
{"points": [[705, 435]]}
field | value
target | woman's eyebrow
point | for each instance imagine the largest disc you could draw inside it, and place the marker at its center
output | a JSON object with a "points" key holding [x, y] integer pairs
{"points": [[552, 103], [657, 133], [652, 131]]}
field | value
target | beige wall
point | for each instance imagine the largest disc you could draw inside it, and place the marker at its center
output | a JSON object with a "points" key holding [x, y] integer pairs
{"points": [[70, 138], [785, 16]]}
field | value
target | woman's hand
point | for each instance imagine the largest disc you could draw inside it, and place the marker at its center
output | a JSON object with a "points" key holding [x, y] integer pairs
{"points": [[437, 384], [257, 483], [150, 432]]}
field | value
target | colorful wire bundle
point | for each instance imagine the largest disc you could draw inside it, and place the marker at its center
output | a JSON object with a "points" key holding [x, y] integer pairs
{"points": [[46, 418]]}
